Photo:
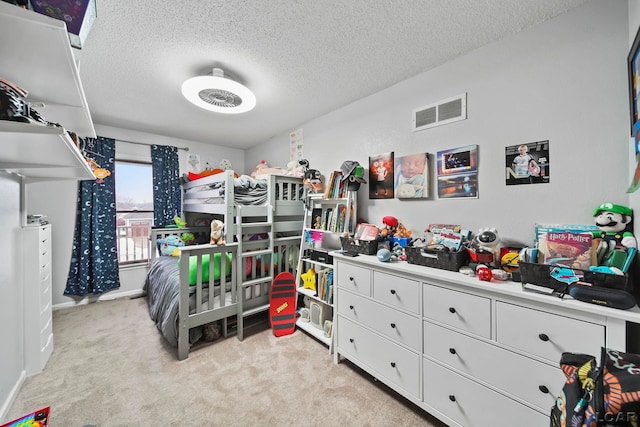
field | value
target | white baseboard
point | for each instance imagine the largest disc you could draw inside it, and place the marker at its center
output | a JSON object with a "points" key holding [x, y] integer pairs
{"points": [[6, 405], [105, 297]]}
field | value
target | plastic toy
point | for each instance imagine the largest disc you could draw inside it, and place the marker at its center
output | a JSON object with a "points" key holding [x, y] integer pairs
{"points": [[615, 223], [179, 221], [309, 279], [216, 232], [384, 255], [188, 238], [488, 240], [484, 273], [353, 173]]}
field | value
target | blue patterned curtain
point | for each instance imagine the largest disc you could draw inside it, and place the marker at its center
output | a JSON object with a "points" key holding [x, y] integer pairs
{"points": [[94, 257], [166, 184]]}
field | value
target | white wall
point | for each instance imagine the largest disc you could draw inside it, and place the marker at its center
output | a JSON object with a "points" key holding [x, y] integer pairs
{"points": [[11, 306], [563, 80], [57, 200], [634, 24]]}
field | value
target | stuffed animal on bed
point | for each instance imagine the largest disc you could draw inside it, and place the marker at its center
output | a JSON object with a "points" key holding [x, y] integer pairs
{"points": [[169, 245], [217, 227]]}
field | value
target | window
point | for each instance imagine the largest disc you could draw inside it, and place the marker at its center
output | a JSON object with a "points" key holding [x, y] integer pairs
{"points": [[134, 210]]}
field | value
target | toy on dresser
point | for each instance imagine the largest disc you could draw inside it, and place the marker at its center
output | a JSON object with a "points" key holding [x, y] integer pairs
{"points": [[486, 246], [618, 246]]}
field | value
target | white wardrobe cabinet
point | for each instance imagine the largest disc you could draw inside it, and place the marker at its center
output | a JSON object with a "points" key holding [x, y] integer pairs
{"points": [[37, 297]]}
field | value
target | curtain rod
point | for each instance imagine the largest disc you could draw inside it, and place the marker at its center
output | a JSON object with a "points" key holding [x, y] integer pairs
{"points": [[146, 143]]}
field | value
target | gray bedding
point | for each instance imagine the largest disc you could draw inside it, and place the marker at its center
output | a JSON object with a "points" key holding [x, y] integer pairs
{"points": [[162, 285]]}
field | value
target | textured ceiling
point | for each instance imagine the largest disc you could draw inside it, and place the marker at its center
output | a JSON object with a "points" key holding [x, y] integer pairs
{"points": [[301, 58]]}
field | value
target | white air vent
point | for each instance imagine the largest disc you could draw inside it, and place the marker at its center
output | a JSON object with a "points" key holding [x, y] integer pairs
{"points": [[446, 111]]}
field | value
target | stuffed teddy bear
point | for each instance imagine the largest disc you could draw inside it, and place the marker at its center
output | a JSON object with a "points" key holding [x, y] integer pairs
{"points": [[217, 227], [169, 244]]}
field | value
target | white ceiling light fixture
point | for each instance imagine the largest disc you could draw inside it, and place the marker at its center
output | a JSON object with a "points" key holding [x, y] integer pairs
{"points": [[218, 93]]}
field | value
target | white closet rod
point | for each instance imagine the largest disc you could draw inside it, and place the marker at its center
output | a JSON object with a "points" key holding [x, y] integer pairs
{"points": [[146, 143]]}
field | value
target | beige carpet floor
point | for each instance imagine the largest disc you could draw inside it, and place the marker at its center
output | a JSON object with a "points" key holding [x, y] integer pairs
{"points": [[111, 367]]}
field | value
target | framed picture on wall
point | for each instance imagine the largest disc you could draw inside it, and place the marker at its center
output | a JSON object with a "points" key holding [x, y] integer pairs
{"points": [[527, 163], [458, 173], [634, 81], [412, 176], [381, 176]]}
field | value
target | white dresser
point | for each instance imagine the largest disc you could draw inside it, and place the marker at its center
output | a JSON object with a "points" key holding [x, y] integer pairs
{"points": [[471, 353], [38, 331]]}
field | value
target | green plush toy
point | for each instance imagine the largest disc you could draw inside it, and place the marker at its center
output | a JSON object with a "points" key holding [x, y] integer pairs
{"points": [[193, 268]]}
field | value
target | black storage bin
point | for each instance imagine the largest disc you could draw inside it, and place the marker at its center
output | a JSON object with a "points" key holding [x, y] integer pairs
{"points": [[366, 247], [445, 260], [540, 274]]}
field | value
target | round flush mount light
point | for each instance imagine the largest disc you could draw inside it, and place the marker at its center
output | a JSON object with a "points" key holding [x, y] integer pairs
{"points": [[218, 93]]}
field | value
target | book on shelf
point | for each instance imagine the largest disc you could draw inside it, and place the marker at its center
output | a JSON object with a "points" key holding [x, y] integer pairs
{"points": [[326, 218], [572, 249], [333, 185], [341, 209]]}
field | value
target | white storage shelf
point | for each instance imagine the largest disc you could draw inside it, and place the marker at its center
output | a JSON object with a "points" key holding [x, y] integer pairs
{"points": [[36, 55]]}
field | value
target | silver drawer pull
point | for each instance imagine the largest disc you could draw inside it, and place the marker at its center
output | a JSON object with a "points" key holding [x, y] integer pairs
{"points": [[543, 389], [543, 337]]}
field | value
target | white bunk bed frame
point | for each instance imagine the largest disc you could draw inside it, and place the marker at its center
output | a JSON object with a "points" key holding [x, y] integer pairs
{"points": [[263, 233], [219, 307]]}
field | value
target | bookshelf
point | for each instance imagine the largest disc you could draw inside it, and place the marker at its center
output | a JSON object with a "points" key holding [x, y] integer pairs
{"points": [[321, 233]]}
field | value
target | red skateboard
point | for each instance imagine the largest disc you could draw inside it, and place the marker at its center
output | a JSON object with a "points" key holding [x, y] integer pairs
{"points": [[282, 304]]}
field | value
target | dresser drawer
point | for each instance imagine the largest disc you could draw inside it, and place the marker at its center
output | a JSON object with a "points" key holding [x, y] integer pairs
{"points": [[45, 295], [353, 278], [45, 271], [46, 332], [44, 237], [387, 360], [397, 291], [470, 313], [544, 334], [525, 378], [391, 323], [471, 404]]}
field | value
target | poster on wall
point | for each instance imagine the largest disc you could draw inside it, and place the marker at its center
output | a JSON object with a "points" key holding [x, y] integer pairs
{"points": [[635, 180], [633, 73], [296, 145], [193, 163], [458, 172], [412, 176], [527, 163], [381, 176]]}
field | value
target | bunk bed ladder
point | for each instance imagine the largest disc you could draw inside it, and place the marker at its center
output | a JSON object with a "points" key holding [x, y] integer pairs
{"points": [[254, 284]]}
